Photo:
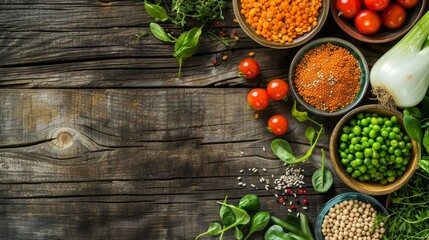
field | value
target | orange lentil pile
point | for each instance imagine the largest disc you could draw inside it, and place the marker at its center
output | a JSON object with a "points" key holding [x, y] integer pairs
{"points": [[281, 20], [328, 77]]}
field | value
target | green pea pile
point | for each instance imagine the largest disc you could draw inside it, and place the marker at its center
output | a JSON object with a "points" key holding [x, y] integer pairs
{"points": [[374, 148]]}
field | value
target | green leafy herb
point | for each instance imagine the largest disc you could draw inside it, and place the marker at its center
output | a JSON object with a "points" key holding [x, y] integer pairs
{"points": [[202, 11], [187, 45], [276, 232], [409, 211], [213, 230], [413, 128], [259, 222], [425, 141], [156, 11], [416, 124], [249, 202], [241, 216], [322, 178], [281, 148], [159, 33], [238, 234]]}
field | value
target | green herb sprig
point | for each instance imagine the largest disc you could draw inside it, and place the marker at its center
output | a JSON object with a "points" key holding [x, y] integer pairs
{"points": [[183, 12]]}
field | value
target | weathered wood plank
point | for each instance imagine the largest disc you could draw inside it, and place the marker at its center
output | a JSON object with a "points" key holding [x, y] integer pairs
{"points": [[117, 164], [92, 44]]}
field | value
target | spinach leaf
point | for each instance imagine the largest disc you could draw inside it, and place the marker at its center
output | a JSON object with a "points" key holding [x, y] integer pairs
{"points": [[259, 221], [424, 163], [413, 128], [310, 133], [425, 141], [238, 234], [186, 45], [413, 111], [322, 178], [241, 216], [249, 202], [298, 115], [159, 33], [226, 215], [156, 11], [213, 230], [276, 232], [282, 149]]}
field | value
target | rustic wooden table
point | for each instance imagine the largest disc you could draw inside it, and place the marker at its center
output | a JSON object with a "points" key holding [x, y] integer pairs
{"points": [[99, 139]]}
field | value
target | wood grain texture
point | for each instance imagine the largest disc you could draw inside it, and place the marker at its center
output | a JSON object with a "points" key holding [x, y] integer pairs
{"points": [[134, 164], [93, 44]]}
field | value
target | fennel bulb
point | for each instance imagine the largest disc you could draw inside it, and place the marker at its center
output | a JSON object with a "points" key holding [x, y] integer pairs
{"points": [[400, 78]]}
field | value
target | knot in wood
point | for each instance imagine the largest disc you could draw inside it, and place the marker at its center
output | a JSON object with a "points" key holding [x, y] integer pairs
{"points": [[63, 140]]}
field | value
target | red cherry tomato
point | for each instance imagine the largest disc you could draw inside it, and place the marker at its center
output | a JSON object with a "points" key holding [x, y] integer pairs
{"points": [[376, 5], [367, 22], [278, 125], [408, 3], [393, 16], [258, 98], [348, 8], [277, 89], [249, 68]]}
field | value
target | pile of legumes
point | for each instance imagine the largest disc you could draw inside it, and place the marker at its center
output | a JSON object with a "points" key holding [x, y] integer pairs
{"points": [[374, 148], [328, 77], [281, 21], [352, 219]]}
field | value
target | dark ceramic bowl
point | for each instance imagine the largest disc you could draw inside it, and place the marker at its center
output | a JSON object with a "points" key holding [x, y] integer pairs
{"points": [[384, 34], [250, 31], [364, 79]]}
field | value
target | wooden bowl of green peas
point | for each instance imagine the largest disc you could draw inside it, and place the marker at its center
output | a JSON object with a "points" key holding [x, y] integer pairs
{"points": [[371, 151]]}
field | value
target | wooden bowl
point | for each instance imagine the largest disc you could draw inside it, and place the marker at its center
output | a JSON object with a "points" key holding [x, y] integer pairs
{"points": [[384, 34], [370, 188], [251, 32]]}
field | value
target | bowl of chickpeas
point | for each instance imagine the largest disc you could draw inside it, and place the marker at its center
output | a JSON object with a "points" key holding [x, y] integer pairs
{"points": [[281, 24], [371, 151], [350, 215]]}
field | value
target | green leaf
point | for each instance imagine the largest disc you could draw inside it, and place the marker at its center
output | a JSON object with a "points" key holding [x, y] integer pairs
{"points": [[156, 11], [238, 234], [322, 178], [282, 149], [186, 45], [425, 141], [413, 128], [259, 222], [276, 232], [310, 133], [159, 33], [424, 164], [413, 111], [298, 115], [241, 216], [213, 230], [226, 215], [249, 202]]}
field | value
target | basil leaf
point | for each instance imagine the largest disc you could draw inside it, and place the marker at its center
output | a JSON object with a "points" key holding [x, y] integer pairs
{"points": [[322, 178], [424, 164], [159, 33], [425, 141], [413, 128], [156, 11], [310, 133], [413, 111], [298, 115], [187, 45], [282, 149]]}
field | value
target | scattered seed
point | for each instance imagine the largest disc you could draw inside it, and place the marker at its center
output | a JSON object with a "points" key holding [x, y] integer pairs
{"points": [[289, 210], [252, 185], [242, 153], [264, 169], [215, 62], [244, 184], [240, 183], [276, 195], [305, 208], [241, 170], [236, 38], [256, 116], [239, 178], [225, 57], [305, 201], [251, 54]]}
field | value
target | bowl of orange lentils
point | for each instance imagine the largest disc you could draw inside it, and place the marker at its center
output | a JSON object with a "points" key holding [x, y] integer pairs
{"points": [[329, 76], [281, 24]]}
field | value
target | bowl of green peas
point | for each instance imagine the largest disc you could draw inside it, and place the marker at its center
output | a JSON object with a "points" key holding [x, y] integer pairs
{"points": [[371, 151]]}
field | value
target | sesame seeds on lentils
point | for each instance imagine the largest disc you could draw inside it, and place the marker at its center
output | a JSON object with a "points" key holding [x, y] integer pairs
{"points": [[328, 77]]}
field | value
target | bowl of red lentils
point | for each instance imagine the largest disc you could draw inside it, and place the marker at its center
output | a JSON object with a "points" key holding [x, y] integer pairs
{"points": [[281, 24], [350, 215], [329, 76]]}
